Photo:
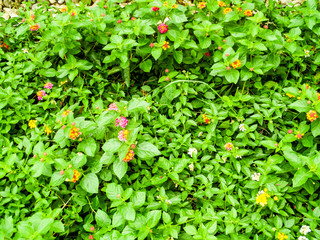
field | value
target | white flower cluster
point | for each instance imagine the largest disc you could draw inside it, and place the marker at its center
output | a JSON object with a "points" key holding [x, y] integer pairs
{"points": [[305, 229], [256, 177], [191, 167], [192, 150], [242, 127], [302, 238]]}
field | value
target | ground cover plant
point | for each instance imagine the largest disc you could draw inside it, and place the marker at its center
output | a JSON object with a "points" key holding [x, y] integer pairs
{"points": [[157, 120]]}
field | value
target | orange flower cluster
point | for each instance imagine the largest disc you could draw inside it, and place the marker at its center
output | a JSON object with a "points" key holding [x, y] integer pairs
{"points": [[74, 133], [227, 10], [312, 115], [129, 156], [236, 64], [299, 135], [76, 176], [248, 13], [202, 5], [65, 113], [318, 95], [206, 119], [221, 4]]}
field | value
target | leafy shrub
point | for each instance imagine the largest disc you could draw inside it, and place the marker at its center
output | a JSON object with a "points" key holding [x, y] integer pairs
{"points": [[160, 121]]}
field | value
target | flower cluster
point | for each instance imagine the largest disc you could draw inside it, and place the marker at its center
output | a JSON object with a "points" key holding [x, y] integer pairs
{"points": [[32, 123], [48, 85], [76, 176], [165, 45], [191, 151], [64, 9], [113, 106], [47, 130], [282, 236], [228, 146], [65, 113], [123, 134], [122, 122], [256, 176], [262, 197], [236, 64], [202, 5], [248, 13], [299, 135], [312, 115], [163, 28], [242, 127], [155, 9], [221, 4], [129, 156], [227, 10], [74, 133], [206, 119], [305, 230], [41, 94], [34, 27]]}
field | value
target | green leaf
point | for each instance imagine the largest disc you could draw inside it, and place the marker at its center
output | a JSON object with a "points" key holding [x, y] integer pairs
{"points": [[120, 168], [88, 146], [113, 191], [45, 225], [146, 66], [300, 177], [57, 179], [146, 150], [136, 105], [153, 218], [90, 183], [156, 53], [315, 128], [139, 199], [270, 144], [102, 219], [300, 106], [112, 145], [79, 160], [190, 229], [130, 213], [84, 65], [178, 56], [293, 158], [232, 75]]}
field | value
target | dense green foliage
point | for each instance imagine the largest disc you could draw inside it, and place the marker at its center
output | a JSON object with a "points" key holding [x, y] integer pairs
{"points": [[222, 122]]}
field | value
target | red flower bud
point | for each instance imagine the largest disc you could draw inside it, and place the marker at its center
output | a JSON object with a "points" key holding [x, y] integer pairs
{"points": [[167, 79], [219, 48], [228, 68], [227, 54], [290, 131], [251, 69], [73, 124], [92, 228], [265, 26], [224, 40], [61, 172], [119, 21], [102, 15], [167, 70], [45, 154], [91, 237]]}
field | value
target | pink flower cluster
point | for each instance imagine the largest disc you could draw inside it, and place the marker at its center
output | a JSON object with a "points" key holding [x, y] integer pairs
{"points": [[163, 28], [41, 94], [48, 85], [113, 106], [123, 134], [122, 122]]}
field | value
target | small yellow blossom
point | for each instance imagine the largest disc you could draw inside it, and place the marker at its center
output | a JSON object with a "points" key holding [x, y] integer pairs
{"points": [[165, 4], [47, 130], [32, 123], [262, 197], [174, 6], [275, 198], [282, 236], [290, 95], [236, 64]]}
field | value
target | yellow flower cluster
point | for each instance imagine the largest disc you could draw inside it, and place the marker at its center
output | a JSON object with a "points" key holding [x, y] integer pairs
{"points": [[32, 123], [47, 130], [202, 5], [262, 197], [312, 115], [236, 64], [221, 4], [227, 10], [282, 236]]}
